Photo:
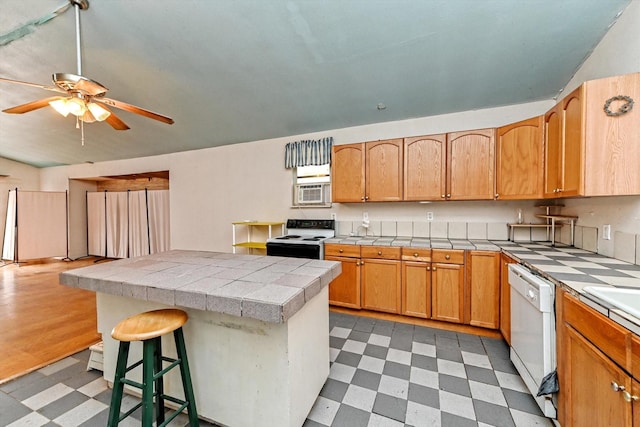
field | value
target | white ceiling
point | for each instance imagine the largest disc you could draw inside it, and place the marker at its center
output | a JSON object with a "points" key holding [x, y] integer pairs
{"points": [[231, 71]]}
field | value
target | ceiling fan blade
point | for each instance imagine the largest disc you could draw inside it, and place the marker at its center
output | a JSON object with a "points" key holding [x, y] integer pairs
{"points": [[134, 109], [30, 106], [45, 87], [115, 121]]}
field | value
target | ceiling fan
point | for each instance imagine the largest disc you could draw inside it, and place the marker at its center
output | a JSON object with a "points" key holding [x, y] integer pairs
{"points": [[82, 97]]}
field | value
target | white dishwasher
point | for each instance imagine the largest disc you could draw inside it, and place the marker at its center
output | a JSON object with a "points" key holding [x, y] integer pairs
{"points": [[533, 332]]}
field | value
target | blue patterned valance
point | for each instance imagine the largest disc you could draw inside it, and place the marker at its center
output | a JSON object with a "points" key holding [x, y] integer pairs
{"points": [[308, 152]]}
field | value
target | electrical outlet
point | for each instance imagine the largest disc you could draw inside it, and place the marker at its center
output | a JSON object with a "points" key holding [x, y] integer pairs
{"points": [[365, 216], [333, 216], [429, 216], [606, 232]]}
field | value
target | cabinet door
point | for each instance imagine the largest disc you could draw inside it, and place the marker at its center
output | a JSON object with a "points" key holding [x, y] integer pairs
{"points": [[505, 297], [381, 281], [447, 292], [589, 397], [519, 155], [416, 289], [344, 291], [635, 393], [347, 173], [471, 163], [383, 170], [572, 152], [483, 288], [425, 160], [553, 151]]}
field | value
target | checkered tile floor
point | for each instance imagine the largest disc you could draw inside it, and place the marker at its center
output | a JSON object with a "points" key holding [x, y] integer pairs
{"points": [[382, 374], [393, 374]]}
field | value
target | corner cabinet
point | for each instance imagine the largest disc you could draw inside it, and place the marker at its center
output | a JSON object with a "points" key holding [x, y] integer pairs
{"points": [[587, 151], [594, 368], [367, 172], [519, 160], [252, 230]]}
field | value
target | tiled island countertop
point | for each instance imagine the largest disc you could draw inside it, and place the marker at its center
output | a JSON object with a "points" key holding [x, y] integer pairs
{"points": [[258, 329], [271, 289]]}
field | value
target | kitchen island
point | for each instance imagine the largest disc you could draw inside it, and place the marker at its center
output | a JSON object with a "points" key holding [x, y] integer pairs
{"points": [[258, 329]]}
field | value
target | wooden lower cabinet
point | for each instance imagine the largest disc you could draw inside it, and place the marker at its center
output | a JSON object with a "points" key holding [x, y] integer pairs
{"points": [[344, 291], [447, 292], [381, 280], [505, 297], [483, 289], [595, 366], [590, 398], [416, 289]]}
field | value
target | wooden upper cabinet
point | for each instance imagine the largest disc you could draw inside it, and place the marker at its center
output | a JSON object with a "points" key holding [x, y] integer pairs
{"points": [[612, 143], [519, 160], [471, 165], [347, 173], [425, 159], [564, 147], [553, 151], [383, 170]]}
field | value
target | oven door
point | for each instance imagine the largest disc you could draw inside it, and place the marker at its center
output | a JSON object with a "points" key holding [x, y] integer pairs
{"points": [[293, 250]]}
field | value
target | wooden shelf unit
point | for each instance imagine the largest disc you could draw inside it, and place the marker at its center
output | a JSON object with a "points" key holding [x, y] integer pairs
{"points": [[552, 221], [250, 243]]}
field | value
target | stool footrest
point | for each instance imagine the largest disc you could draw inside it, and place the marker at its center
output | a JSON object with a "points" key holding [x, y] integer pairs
{"points": [[174, 363]]}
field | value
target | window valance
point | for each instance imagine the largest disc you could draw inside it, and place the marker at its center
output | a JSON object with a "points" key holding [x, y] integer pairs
{"points": [[308, 152]]}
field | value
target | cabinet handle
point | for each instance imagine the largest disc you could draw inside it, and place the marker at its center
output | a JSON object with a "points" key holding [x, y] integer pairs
{"points": [[362, 198], [429, 268], [497, 195], [415, 255], [361, 262], [434, 268], [616, 387], [629, 397], [443, 196], [366, 197], [447, 257], [341, 250], [448, 195]]}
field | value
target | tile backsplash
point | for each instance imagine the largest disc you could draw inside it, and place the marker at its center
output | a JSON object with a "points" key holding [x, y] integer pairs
{"points": [[626, 245]]}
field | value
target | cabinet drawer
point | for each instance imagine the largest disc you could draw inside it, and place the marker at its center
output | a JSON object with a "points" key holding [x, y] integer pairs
{"points": [[382, 252], [352, 251], [448, 256], [605, 334], [413, 254]]}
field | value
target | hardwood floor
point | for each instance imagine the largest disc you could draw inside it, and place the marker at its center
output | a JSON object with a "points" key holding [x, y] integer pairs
{"points": [[42, 321]]}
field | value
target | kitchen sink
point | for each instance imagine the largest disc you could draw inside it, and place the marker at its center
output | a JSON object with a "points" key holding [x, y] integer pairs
{"points": [[626, 299]]}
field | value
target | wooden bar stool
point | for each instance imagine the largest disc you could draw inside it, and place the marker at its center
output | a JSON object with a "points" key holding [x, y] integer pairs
{"points": [[149, 327]]}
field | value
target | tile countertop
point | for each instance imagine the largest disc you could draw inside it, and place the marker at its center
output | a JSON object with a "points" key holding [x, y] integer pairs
{"points": [[572, 269], [567, 267], [266, 288]]}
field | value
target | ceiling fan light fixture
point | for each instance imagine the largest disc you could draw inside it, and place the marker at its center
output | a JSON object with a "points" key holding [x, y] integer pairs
{"points": [[98, 112], [76, 106], [60, 105]]}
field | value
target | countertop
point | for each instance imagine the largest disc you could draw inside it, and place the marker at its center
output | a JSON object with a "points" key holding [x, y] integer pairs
{"points": [[569, 268], [266, 288]]}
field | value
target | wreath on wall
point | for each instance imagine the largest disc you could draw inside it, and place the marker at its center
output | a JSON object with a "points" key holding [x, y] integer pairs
{"points": [[624, 108]]}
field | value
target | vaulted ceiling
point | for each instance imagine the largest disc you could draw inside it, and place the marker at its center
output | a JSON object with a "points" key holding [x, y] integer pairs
{"points": [[232, 71]]}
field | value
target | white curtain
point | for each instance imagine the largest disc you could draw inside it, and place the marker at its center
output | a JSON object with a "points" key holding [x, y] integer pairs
{"points": [[8, 247], [117, 227], [41, 231], [96, 225], [159, 233], [138, 235]]}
